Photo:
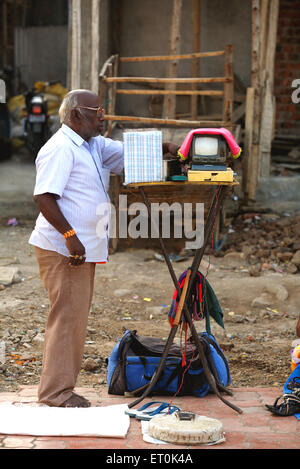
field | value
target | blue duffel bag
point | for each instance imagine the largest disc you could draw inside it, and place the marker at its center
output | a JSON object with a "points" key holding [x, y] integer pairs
{"points": [[135, 358]]}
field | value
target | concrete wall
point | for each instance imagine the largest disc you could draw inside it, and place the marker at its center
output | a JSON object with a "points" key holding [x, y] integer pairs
{"points": [[145, 27], [41, 53]]}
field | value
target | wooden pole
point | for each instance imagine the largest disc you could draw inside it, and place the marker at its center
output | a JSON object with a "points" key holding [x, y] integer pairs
{"points": [[69, 50], [103, 76], [247, 160], [272, 35], [165, 80], [263, 37], [95, 46], [266, 131], [267, 85], [169, 107], [110, 107], [114, 85], [255, 84], [228, 88], [76, 44], [196, 48], [152, 58], [155, 121], [174, 92]]}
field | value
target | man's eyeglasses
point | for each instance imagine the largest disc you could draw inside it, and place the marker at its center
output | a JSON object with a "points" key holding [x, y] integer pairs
{"points": [[100, 110]]}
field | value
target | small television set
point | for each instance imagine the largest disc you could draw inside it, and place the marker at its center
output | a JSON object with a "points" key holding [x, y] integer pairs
{"points": [[208, 150]]}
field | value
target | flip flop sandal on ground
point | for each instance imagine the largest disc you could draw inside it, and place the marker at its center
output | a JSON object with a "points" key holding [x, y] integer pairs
{"points": [[290, 405], [163, 409], [157, 404]]}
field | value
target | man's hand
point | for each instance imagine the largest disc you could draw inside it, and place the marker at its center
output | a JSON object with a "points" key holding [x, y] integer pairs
{"points": [[170, 150], [51, 211], [76, 250]]}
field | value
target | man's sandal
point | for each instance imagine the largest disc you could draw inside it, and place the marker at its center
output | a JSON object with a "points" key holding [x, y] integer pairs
{"points": [[76, 401], [290, 405]]}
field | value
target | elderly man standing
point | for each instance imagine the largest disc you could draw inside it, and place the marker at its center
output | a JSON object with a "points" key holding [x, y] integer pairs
{"points": [[72, 168], [70, 183]]}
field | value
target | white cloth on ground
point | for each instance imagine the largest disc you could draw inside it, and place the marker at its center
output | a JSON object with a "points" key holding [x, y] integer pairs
{"points": [[108, 421]]}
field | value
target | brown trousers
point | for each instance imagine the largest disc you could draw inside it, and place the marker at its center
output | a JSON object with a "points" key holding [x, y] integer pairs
{"points": [[70, 292]]}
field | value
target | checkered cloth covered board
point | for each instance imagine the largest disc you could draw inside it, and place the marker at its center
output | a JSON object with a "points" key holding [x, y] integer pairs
{"points": [[143, 159]]}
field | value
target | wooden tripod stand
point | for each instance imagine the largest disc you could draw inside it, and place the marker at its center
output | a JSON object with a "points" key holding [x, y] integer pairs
{"points": [[215, 386]]}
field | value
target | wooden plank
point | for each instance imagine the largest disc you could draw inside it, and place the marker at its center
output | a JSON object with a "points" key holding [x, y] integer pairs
{"points": [[271, 46], [247, 160], [110, 99], [267, 102], [103, 75], [263, 37], [76, 44], [176, 122], [182, 183], [173, 92], [154, 58], [166, 80], [266, 132], [103, 71], [95, 39], [255, 83], [115, 67], [169, 104], [69, 50], [228, 86], [196, 48]]}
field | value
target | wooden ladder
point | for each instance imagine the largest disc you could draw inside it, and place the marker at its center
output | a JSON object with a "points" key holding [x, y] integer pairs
{"points": [[109, 81]]}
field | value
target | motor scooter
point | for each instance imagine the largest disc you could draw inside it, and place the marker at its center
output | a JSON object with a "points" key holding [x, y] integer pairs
{"points": [[36, 122]]}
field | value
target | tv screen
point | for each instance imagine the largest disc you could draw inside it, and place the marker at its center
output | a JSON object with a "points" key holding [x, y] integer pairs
{"points": [[206, 146]]}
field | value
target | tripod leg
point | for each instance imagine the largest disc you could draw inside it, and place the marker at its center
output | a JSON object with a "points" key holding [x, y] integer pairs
{"points": [[209, 224], [157, 374], [210, 378]]}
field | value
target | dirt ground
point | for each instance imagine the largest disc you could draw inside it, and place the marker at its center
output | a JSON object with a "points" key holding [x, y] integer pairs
{"points": [[260, 298]]}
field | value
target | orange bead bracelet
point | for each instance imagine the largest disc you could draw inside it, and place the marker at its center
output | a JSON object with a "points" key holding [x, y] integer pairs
{"points": [[69, 233]]}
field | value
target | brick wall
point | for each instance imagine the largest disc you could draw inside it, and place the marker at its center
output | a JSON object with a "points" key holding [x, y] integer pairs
{"points": [[287, 68]]}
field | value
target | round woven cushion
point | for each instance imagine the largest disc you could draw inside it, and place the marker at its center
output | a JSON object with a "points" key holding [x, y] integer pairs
{"points": [[186, 432]]}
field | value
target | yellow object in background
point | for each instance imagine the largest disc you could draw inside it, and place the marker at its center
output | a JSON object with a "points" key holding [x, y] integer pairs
{"points": [[53, 94], [16, 106], [295, 357], [55, 88]]}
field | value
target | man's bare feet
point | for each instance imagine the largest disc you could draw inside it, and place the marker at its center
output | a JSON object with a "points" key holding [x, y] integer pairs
{"points": [[76, 401]]}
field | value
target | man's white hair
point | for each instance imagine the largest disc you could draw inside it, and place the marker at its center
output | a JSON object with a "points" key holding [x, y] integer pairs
{"points": [[69, 102]]}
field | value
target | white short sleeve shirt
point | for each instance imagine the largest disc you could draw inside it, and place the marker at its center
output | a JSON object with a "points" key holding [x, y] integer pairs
{"points": [[77, 172]]}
